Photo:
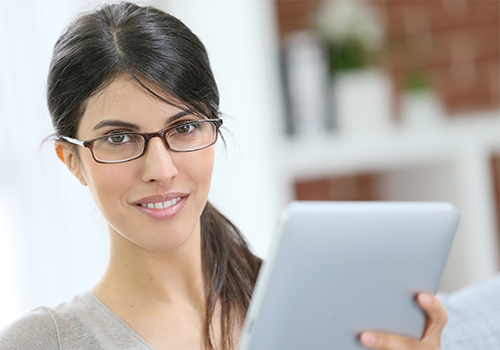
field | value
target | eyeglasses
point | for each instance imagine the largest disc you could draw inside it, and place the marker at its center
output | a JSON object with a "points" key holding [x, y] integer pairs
{"points": [[123, 147]]}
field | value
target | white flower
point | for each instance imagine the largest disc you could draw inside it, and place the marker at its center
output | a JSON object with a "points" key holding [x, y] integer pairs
{"points": [[345, 20]]}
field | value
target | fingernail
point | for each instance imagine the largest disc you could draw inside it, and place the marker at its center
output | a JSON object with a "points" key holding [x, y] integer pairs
{"points": [[425, 299], [368, 339]]}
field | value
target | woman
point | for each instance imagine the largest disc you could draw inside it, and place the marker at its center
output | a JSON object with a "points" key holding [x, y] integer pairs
{"points": [[135, 84]]}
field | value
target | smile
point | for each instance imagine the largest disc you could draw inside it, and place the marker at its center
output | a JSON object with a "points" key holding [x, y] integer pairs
{"points": [[161, 205]]}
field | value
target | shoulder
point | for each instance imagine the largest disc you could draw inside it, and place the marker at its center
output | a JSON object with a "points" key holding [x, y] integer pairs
{"points": [[469, 294], [81, 323], [473, 316], [35, 330], [60, 327]]}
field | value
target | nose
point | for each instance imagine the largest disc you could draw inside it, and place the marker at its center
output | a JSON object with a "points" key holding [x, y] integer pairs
{"points": [[158, 163]]}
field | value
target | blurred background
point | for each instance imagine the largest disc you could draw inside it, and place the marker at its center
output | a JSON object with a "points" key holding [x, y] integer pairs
{"points": [[336, 100]]}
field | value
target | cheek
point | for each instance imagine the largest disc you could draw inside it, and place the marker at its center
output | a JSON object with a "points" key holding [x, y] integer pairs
{"points": [[108, 183], [201, 166]]}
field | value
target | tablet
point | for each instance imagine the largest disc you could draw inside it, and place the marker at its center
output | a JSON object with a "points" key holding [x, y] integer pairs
{"points": [[338, 268]]}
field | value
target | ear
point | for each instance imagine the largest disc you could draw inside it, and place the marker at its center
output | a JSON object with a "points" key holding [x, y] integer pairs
{"points": [[67, 154]]}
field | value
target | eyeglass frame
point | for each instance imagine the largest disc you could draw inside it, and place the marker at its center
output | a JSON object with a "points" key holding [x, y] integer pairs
{"points": [[146, 136]]}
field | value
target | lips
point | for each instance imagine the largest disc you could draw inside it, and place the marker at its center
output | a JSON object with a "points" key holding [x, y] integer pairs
{"points": [[162, 207]]}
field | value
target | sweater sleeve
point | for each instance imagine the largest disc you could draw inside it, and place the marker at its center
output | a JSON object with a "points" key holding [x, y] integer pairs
{"points": [[473, 317], [35, 330]]}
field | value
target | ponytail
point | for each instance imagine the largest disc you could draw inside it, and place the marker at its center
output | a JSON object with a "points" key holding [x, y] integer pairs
{"points": [[230, 272]]}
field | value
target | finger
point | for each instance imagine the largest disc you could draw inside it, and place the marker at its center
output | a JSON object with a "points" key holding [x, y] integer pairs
{"points": [[436, 320], [436, 317], [382, 341]]}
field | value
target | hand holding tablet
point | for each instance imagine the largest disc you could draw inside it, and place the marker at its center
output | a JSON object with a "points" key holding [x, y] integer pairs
{"points": [[431, 339], [339, 269]]}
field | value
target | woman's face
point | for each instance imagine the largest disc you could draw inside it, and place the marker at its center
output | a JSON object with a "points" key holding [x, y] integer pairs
{"points": [[175, 184]]}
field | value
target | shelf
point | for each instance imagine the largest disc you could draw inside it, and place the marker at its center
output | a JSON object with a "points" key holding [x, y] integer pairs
{"points": [[395, 148]]}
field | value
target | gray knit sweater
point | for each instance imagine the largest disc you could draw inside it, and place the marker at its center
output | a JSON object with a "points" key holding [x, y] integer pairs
{"points": [[82, 323]]}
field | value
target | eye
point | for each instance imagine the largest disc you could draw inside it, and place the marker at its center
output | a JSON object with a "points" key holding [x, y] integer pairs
{"points": [[120, 138], [185, 128], [116, 139]]}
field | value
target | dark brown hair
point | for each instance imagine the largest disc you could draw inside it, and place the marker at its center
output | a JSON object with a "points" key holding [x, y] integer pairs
{"points": [[157, 49]]}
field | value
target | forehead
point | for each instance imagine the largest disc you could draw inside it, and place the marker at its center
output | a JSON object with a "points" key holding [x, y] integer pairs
{"points": [[125, 100]]}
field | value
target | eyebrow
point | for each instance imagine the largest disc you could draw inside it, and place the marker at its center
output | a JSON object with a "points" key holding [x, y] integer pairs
{"points": [[123, 124], [113, 122]]}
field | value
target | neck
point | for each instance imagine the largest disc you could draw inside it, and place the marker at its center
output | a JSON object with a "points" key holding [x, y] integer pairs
{"points": [[159, 295], [141, 276]]}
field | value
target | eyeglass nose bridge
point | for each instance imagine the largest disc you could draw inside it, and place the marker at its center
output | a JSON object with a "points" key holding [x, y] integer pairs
{"points": [[148, 136]]}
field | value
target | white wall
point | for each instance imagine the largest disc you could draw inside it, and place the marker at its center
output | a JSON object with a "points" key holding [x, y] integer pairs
{"points": [[9, 271], [57, 238]]}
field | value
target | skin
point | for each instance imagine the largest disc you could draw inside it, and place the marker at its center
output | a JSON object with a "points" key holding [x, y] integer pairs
{"points": [[154, 278]]}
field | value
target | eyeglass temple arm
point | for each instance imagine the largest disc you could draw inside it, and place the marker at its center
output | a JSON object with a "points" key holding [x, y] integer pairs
{"points": [[73, 141]]}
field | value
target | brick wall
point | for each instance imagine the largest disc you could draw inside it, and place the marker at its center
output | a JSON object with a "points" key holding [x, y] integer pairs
{"points": [[295, 14], [352, 188], [456, 44]]}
